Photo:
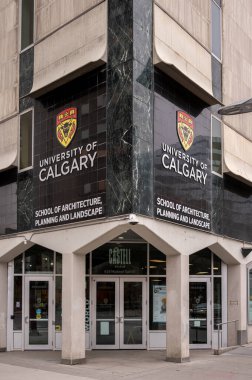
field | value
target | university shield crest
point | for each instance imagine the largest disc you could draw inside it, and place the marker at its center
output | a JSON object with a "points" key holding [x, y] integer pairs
{"points": [[185, 128], [66, 125]]}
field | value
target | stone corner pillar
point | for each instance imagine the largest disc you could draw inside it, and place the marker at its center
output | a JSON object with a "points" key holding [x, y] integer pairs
{"points": [[237, 304], [73, 309], [177, 310], [3, 305]]}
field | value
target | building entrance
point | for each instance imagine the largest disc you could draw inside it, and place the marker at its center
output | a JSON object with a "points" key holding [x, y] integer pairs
{"points": [[119, 311], [38, 313], [200, 312]]}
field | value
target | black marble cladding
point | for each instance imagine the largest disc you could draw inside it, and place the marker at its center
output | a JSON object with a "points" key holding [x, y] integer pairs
{"points": [[8, 201], [25, 200], [88, 95], [26, 69], [130, 107], [237, 210], [172, 185]]}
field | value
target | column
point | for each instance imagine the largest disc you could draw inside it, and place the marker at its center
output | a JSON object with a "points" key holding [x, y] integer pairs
{"points": [[177, 311], [73, 309], [3, 305], [237, 304]]}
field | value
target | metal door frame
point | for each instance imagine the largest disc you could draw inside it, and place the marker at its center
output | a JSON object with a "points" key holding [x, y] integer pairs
{"points": [[27, 280], [207, 280]]}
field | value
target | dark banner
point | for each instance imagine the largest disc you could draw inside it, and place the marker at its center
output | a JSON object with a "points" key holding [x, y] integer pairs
{"points": [[182, 156], [70, 153]]}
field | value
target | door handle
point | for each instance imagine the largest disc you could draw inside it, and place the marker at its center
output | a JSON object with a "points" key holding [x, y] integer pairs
{"points": [[121, 319], [26, 319]]}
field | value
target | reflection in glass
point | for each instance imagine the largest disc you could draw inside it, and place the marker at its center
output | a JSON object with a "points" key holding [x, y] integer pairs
{"points": [[157, 262], [38, 313], [17, 307], [38, 259], [157, 317], [198, 312], [105, 313], [132, 313], [216, 146], [217, 302], [216, 265], [18, 263], [25, 154], [200, 262], [58, 263], [58, 303]]}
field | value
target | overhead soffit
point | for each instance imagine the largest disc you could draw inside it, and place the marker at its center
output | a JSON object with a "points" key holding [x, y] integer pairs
{"points": [[237, 155], [178, 54], [79, 45]]}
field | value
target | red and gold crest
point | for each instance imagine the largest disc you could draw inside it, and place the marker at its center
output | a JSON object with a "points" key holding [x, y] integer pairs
{"points": [[185, 128], [66, 125]]}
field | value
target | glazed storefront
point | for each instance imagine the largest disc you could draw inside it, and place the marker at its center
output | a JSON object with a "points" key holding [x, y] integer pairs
{"points": [[125, 297]]}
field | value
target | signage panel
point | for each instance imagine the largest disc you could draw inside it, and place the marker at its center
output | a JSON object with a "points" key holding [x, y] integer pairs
{"points": [[182, 173], [69, 155]]}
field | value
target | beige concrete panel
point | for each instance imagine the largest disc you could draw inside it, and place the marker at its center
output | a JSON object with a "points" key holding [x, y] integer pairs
{"points": [[175, 47], [193, 15], [237, 60], [237, 299], [52, 14], [73, 309], [237, 155], [177, 306], [8, 143], [78, 44], [8, 58]]}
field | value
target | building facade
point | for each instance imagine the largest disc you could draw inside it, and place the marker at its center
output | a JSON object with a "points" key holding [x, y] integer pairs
{"points": [[126, 199]]}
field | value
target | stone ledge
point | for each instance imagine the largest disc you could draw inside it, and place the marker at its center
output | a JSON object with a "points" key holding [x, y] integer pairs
{"points": [[222, 350]]}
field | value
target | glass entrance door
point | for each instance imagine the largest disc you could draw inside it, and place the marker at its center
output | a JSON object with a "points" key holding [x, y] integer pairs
{"points": [[119, 313], [38, 313], [200, 313]]}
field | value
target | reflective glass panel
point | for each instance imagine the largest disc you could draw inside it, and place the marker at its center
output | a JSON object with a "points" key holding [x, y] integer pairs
{"points": [[198, 312], [58, 303], [132, 313], [200, 263], [157, 261], [250, 297], [25, 153], [18, 263], [216, 265], [116, 258], [58, 263], [27, 23], [217, 302], [38, 314], [38, 259], [216, 146], [17, 307], [105, 313], [216, 30]]}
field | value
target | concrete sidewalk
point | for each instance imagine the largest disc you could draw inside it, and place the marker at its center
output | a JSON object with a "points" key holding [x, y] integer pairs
{"points": [[133, 365]]}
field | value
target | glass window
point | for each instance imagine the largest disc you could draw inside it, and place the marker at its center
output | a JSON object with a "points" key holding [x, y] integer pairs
{"points": [[250, 296], [27, 23], [38, 259], [157, 303], [216, 265], [25, 148], [18, 263], [157, 262], [58, 263], [216, 146], [216, 30], [58, 303], [200, 263], [116, 258], [217, 302], [17, 307], [87, 257]]}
